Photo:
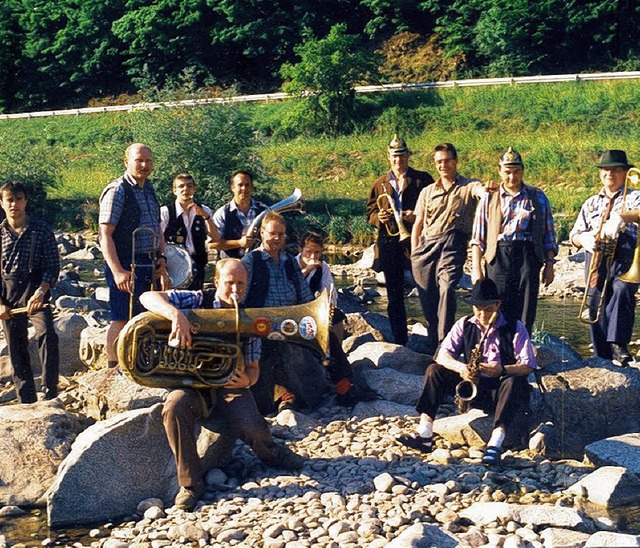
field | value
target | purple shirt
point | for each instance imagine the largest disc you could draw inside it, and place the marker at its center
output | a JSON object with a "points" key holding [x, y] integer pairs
{"points": [[453, 343]]}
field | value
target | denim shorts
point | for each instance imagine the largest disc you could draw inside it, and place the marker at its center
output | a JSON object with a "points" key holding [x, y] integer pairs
{"points": [[119, 300]]}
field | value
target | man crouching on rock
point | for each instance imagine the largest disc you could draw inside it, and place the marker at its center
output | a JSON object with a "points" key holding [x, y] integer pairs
{"points": [[234, 401], [504, 358]]}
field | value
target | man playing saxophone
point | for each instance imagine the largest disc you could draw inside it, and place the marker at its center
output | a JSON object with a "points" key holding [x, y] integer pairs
{"points": [[610, 216], [506, 359], [234, 402]]}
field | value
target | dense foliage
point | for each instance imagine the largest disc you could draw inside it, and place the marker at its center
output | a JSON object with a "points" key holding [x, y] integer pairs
{"points": [[62, 53]]}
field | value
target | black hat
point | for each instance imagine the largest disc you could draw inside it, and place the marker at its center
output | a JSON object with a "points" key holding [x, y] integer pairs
{"points": [[398, 146], [511, 158], [614, 158], [483, 293]]}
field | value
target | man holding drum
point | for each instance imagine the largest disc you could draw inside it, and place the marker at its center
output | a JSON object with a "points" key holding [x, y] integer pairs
{"points": [[186, 223]]}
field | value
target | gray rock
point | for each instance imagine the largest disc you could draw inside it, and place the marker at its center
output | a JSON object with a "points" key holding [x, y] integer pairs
{"points": [[384, 482], [609, 486], [603, 539], [393, 385], [69, 326], [384, 408], [473, 428], [88, 254], [35, 440], [69, 288], [108, 392], [383, 354], [616, 451], [354, 341], [128, 453], [92, 347], [84, 304], [423, 535], [563, 538], [537, 515], [369, 322]]}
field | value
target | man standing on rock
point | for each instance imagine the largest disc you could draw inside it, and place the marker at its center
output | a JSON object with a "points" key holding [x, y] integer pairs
{"points": [[602, 220], [186, 223], [494, 355], [234, 402], [439, 240], [234, 218], [29, 267], [127, 204], [402, 184], [514, 236]]}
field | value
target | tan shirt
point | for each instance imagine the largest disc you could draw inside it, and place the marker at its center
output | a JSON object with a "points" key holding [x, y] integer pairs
{"points": [[443, 210]]}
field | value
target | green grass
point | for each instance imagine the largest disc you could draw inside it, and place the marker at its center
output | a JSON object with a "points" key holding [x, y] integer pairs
{"points": [[558, 128]]}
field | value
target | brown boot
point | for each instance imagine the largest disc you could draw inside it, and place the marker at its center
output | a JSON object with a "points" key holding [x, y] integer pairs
{"points": [[188, 497]]}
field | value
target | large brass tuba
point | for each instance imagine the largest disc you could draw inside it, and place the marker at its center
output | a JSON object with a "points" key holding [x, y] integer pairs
{"points": [[291, 203], [146, 356], [593, 299]]}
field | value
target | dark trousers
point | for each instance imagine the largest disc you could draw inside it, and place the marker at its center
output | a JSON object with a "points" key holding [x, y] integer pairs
{"points": [[509, 395], [392, 256], [197, 282], [184, 407], [516, 272], [617, 317], [16, 334], [437, 266]]}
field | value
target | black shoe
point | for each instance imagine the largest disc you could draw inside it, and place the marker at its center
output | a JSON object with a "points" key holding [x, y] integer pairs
{"points": [[492, 456], [425, 445], [620, 355], [51, 393], [356, 394]]}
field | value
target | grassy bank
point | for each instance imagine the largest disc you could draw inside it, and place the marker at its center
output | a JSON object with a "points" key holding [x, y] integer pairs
{"points": [[558, 128]]}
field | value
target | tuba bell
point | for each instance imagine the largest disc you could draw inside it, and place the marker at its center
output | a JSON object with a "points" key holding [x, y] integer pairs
{"points": [[291, 203], [146, 356]]}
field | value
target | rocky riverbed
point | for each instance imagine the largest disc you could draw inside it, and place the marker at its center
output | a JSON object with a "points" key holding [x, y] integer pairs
{"points": [[571, 479]]}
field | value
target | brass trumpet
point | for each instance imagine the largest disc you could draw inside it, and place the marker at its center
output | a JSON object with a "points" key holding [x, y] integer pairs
{"points": [[397, 227], [605, 248]]}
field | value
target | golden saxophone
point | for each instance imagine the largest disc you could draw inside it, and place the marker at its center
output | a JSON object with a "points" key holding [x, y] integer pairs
{"points": [[467, 390], [146, 355]]}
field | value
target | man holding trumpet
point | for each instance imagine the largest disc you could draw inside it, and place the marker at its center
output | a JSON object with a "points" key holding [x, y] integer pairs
{"points": [[610, 216], [390, 209]]}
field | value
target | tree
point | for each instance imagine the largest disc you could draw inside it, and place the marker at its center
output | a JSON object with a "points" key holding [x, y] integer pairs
{"points": [[324, 79]]}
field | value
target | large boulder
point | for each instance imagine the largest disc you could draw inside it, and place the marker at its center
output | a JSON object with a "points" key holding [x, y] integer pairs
{"points": [[393, 385], [369, 322], [607, 395], [69, 325], [116, 463], [621, 451], [108, 392], [609, 486], [35, 440], [92, 348], [381, 354]]}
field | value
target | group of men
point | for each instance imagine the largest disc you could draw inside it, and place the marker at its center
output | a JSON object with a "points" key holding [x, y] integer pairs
{"points": [[509, 227], [423, 224]]}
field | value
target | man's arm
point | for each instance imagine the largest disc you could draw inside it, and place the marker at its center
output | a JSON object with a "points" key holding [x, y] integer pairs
{"points": [[158, 303], [121, 276]]}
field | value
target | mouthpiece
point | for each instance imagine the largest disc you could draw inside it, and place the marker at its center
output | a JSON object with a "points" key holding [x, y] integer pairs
{"points": [[234, 297]]}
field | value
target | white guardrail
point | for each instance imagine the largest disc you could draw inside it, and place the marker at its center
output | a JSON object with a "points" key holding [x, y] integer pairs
{"points": [[266, 97]]}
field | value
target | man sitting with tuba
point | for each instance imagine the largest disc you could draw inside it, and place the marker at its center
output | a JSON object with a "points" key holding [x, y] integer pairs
{"points": [[610, 216], [504, 360], [183, 407]]}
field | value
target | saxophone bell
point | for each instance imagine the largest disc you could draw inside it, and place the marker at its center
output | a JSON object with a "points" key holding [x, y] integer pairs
{"points": [[466, 390]]}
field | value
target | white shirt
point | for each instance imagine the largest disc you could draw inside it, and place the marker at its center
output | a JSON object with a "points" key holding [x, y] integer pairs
{"points": [[326, 282], [187, 218]]}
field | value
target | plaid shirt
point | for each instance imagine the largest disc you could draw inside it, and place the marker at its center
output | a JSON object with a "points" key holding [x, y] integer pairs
{"points": [[112, 206], [590, 216], [183, 299], [516, 211], [34, 250], [282, 291]]}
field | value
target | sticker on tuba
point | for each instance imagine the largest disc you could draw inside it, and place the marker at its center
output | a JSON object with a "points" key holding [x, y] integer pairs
{"points": [[308, 328], [289, 327], [261, 326]]}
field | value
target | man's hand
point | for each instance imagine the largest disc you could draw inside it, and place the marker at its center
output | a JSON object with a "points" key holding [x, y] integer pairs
{"points": [[492, 370], [238, 379], [36, 301], [246, 241], [181, 329], [548, 273], [384, 215], [312, 264], [5, 312], [123, 280]]}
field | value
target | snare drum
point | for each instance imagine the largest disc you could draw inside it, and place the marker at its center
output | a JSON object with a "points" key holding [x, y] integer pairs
{"points": [[179, 265]]}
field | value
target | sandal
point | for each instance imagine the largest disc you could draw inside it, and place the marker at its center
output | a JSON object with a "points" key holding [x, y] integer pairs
{"points": [[492, 455], [425, 445]]}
